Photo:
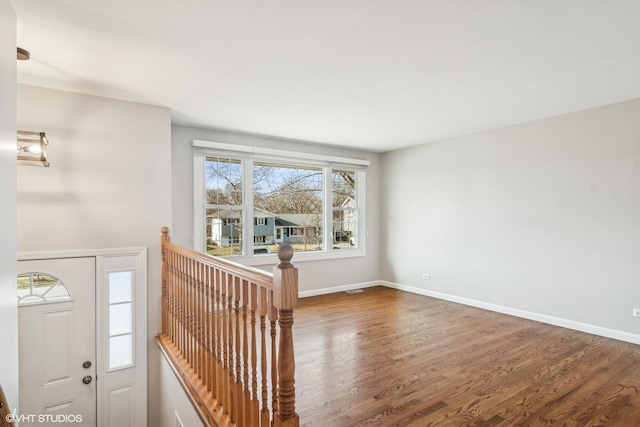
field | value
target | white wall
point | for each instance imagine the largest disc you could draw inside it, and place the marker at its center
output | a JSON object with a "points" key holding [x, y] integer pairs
{"points": [[173, 401], [314, 275], [542, 217], [109, 185], [8, 301]]}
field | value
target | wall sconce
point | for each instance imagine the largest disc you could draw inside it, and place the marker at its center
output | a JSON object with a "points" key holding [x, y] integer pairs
{"points": [[32, 148]]}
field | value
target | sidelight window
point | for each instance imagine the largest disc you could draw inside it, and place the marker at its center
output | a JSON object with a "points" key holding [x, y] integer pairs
{"points": [[120, 319]]}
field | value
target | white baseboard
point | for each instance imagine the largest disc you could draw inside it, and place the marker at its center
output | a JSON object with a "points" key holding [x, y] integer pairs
{"points": [[342, 288], [552, 320]]}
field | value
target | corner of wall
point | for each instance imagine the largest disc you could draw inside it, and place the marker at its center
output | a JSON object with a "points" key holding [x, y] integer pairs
{"points": [[8, 215]]}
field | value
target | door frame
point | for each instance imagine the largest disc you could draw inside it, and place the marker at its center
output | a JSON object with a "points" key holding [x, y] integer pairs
{"points": [[137, 257]]}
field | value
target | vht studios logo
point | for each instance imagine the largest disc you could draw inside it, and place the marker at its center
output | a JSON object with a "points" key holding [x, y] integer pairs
{"points": [[42, 418]]}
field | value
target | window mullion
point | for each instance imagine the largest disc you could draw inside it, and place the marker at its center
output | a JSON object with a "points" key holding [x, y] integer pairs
{"points": [[359, 209], [247, 201], [327, 241]]}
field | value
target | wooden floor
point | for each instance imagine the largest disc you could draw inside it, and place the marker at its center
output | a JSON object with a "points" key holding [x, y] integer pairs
{"points": [[389, 358]]}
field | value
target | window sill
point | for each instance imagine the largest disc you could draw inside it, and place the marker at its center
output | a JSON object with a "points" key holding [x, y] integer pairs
{"points": [[272, 259]]}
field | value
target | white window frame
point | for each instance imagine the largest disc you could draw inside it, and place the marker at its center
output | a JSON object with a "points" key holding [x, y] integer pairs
{"points": [[249, 154]]}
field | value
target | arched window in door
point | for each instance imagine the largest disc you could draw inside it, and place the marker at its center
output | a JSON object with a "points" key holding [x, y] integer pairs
{"points": [[38, 288]]}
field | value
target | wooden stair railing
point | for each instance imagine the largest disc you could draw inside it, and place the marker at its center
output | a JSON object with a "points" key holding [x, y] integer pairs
{"points": [[6, 417], [215, 315]]}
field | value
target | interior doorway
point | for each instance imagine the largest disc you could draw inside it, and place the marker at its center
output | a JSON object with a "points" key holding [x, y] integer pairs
{"points": [[83, 337]]}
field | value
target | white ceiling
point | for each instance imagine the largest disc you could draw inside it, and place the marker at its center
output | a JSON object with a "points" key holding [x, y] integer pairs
{"points": [[369, 74]]}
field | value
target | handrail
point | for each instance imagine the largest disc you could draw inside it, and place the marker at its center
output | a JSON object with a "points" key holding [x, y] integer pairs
{"points": [[214, 334]]}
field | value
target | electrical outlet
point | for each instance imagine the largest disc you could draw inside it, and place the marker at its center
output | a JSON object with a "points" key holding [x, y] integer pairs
{"points": [[426, 276], [636, 312]]}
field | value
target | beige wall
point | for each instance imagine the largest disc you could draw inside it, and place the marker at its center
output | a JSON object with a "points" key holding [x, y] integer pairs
{"points": [[542, 217], [8, 301], [314, 275], [109, 185]]}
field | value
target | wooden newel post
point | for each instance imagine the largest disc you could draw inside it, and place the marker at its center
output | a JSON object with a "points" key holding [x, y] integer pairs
{"points": [[164, 239], [285, 299]]}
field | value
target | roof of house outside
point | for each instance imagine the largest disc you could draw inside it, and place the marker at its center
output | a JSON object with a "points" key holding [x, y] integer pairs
{"points": [[300, 220]]}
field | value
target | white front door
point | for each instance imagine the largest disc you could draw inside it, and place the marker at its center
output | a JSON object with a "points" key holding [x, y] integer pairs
{"points": [[57, 335]]}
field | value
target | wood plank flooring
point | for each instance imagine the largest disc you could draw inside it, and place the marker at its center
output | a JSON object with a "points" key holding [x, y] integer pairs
{"points": [[389, 358]]}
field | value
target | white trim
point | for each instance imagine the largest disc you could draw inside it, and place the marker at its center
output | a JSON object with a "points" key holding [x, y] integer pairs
{"points": [[80, 253], [272, 259], [279, 153], [336, 289], [134, 375], [544, 318], [199, 242], [178, 420], [361, 203]]}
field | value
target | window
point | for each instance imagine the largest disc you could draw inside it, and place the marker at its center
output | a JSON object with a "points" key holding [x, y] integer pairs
{"points": [[294, 195], [34, 288], [224, 206], [120, 285], [249, 203], [345, 217]]}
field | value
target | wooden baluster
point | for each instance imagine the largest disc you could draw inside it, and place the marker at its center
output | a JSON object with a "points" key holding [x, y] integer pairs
{"points": [[238, 374], [264, 306], [201, 324], [172, 297], [285, 285], [254, 404], [246, 396], [273, 317], [209, 328], [192, 315], [171, 300], [225, 339], [181, 304], [193, 286], [218, 342], [193, 319], [164, 305], [178, 299], [188, 311], [200, 321], [184, 284], [230, 342], [167, 311], [212, 330]]}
